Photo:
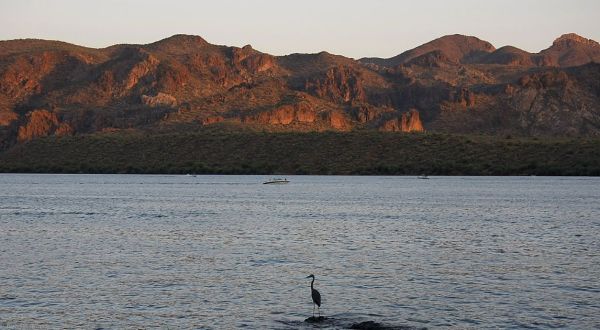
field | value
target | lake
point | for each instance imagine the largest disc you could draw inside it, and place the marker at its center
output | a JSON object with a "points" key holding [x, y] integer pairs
{"points": [[216, 252]]}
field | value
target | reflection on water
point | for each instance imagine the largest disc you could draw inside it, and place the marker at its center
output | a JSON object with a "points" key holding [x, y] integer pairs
{"points": [[126, 251]]}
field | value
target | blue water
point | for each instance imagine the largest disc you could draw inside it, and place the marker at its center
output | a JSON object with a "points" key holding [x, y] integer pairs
{"points": [[215, 252]]}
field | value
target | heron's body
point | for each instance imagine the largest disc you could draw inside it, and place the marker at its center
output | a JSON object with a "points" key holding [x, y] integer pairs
{"points": [[316, 296]]}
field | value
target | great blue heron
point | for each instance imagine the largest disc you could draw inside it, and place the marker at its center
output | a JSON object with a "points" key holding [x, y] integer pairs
{"points": [[316, 296]]}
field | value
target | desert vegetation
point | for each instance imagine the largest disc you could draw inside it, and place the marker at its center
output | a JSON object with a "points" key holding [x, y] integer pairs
{"points": [[323, 153]]}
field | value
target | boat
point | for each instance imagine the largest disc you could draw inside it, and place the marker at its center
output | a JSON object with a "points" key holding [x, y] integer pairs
{"points": [[423, 176], [276, 181]]}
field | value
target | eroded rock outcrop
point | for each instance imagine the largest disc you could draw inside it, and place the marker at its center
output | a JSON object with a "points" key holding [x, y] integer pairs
{"points": [[283, 115], [145, 63], [339, 84], [365, 114], [305, 113], [464, 97], [42, 123], [339, 121], [251, 60], [161, 99], [287, 114], [409, 122]]}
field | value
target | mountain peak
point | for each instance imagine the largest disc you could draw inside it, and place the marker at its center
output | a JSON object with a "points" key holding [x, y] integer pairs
{"points": [[184, 38], [572, 38], [454, 48], [464, 39], [180, 40], [178, 44], [570, 50]]}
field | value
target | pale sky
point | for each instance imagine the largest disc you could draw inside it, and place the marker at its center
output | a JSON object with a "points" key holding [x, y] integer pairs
{"points": [[353, 28]]}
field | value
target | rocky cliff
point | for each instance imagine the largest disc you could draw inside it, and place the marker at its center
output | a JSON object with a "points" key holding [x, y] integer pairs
{"points": [[408, 122]]}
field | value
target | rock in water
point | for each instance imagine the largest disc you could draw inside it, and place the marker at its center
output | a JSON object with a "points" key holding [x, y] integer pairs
{"points": [[313, 319], [371, 325], [367, 325]]}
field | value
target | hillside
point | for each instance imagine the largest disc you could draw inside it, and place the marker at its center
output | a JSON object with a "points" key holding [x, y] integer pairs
{"points": [[454, 84], [218, 151]]}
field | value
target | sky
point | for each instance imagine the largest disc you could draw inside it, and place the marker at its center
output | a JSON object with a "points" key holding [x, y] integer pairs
{"points": [[374, 28]]}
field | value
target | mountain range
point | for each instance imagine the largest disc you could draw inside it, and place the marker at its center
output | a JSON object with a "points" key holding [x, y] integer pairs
{"points": [[454, 84]]}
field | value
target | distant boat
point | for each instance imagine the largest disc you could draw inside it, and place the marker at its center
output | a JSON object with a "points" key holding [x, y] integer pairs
{"points": [[423, 176], [276, 181]]}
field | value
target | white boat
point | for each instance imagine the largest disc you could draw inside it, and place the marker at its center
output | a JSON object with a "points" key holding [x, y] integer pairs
{"points": [[423, 176], [276, 181]]}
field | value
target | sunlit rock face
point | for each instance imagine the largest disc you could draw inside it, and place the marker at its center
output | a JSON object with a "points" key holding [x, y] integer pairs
{"points": [[42, 123], [409, 122]]}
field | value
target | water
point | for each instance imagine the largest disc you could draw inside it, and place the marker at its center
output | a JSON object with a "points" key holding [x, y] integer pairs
{"points": [[128, 251]]}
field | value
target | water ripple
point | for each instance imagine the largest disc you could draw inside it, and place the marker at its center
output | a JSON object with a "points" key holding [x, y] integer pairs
{"points": [[214, 252]]}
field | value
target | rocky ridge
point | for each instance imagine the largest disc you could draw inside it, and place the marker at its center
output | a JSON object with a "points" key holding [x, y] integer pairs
{"points": [[454, 84]]}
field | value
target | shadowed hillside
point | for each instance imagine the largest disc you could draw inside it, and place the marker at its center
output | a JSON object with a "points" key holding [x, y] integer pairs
{"points": [[249, 152]]}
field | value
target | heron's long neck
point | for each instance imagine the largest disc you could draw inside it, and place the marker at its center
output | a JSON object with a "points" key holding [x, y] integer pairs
{"points": [[311, 283]]}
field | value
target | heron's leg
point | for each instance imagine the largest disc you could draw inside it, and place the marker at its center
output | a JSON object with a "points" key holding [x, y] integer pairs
{"points": [[313, 310], [319, 308]]}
